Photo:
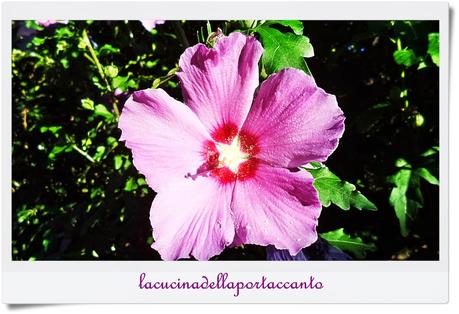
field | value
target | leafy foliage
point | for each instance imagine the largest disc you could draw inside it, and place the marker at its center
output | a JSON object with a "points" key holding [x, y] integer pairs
{"points": [[345, 242], [334, 190], [284, 50], [406, 197], [405, 57], [73, 182], [434, 48]]}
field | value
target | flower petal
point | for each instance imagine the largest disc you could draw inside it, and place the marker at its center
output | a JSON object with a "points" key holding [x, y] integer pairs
{"points": [[193, 218], [273, 254], [165, 137], [276, 207], [219, 83], [320, 250], [294, 121]]}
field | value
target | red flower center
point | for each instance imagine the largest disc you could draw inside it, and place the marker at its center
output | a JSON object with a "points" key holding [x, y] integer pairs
{"points": [[232, 156]]}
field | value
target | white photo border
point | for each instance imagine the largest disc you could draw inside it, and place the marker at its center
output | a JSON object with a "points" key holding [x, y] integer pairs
{"points": [[117, 281]]}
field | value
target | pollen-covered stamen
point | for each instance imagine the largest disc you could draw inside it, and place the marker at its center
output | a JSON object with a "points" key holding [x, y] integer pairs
{"points": [[231, 155]]}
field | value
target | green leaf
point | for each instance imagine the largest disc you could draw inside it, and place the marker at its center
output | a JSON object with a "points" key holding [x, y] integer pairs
{"points": [[434, 48], [37, 41], [345, 242], [341, 193], [123, 83], [65, 63], [150, 64], [112, 142], [118, 161], [87, 104], [295, 25], [63, 32], [284, 50], [45, 244], [426, 175], [32, 24], [405, 57], [141, 181], [406, 197], [58, 150], [422, 65], [61, 45], [130, 185], [431, 151], [399, 200], [108, 49], [400, 163], [53, 129], [101, 110], [100, 150]]}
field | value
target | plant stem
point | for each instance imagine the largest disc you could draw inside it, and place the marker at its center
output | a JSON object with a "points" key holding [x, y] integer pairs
{"points": [[83, 153], [163, 79], [100, 69], [95, 59]]}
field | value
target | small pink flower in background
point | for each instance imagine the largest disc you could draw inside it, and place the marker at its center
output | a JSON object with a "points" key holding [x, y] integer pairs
{"points": [[120, 95], [47, 23], [225, 163], [118, 92], [150, 24]]}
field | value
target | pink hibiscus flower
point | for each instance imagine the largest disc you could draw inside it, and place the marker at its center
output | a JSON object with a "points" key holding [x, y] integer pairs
{"points": [[224, 164]]}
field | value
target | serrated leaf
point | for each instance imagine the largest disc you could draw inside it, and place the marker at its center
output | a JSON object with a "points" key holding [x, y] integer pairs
{"points": [[405, 57], [345, 242], [284, 50], [434, 48], [359, 201], [332, 189], [295, 25], [406, 197]]}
